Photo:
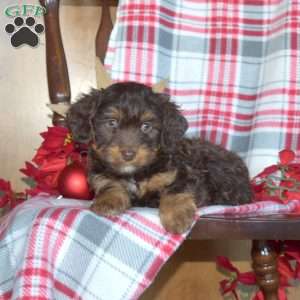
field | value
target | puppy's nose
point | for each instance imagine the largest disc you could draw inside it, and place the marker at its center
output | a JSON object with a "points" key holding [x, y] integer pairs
{"points": [[128, 154]]}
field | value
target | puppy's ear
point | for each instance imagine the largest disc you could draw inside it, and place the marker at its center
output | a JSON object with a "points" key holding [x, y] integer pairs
{"points": [[174, 123], [80, 114]]}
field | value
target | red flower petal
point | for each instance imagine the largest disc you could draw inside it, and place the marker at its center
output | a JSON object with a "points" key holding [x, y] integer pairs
{"points": [[53, 165], [258, 296], [282, 294], [247, 278], [286, 156], [30, 170], [53, 143], [228, 286], [58, 131], [5, 185], [54, 138], [41, 155], [292, 196], [225, 263], [267, 171]]}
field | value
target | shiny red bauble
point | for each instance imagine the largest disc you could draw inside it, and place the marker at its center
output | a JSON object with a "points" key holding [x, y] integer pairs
{"points": [[73, 183]]}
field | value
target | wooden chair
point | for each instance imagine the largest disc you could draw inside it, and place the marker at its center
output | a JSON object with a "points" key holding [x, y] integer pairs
{"points": [[260, 230]]}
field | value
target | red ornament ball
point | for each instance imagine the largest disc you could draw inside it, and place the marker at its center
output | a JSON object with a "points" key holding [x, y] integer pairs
{"points": [[72, 182]]}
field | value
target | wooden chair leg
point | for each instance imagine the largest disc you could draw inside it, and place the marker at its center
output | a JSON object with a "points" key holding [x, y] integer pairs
{"points": [[105, 28], [57, 70], [264, 259]]}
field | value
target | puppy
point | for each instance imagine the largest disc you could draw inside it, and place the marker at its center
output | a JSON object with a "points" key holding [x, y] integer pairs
{"points": [[138, 156]]}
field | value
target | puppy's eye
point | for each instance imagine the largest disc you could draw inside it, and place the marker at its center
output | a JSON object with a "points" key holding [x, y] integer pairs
{"points": [[146, 127], [112, 123]]}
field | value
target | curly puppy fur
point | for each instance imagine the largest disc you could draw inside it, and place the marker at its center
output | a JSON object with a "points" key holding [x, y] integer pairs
{"points": [[139, 157]]}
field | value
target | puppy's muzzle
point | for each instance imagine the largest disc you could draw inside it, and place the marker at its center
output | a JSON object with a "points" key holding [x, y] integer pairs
{"points": [[128, 154]]}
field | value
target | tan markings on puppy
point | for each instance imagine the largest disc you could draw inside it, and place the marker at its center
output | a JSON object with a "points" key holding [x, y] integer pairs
{"points": [[157, 182], [177, 211], [147, 116], [113, 113], [114, 154], [97, 150], [114, 200], [143, 157]]}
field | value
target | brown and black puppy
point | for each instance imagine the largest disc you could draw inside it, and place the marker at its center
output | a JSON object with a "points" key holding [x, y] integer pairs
{"points": [[139, 157]]}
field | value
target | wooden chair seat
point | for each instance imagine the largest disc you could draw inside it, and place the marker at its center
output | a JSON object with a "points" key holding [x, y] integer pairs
{"points": [[273, 227], [258, 229]]}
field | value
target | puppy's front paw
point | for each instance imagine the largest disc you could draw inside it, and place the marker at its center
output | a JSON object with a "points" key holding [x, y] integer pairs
{"points": [[177, 212], [111, 203]]}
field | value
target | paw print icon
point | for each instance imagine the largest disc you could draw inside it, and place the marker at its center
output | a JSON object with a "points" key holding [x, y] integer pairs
{"points": [[24, 31]]}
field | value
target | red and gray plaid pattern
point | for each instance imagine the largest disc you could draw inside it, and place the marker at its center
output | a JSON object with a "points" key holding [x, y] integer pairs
{"points": [[233, 67], [57, 249]]}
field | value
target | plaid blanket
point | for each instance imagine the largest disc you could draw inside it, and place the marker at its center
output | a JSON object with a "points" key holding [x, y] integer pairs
{"points": [[54, 248], [57, 249], [233, 67]]}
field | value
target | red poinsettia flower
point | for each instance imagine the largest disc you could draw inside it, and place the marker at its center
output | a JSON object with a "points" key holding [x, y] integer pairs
{"points": [[57, 142], [56, 151], [229, 286], [280, 183]]}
